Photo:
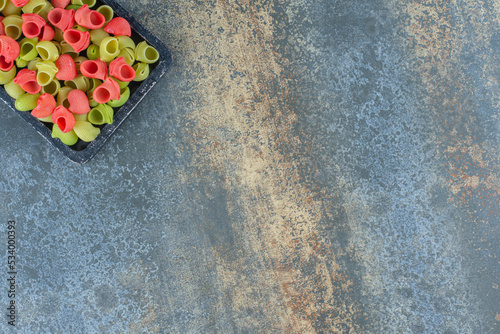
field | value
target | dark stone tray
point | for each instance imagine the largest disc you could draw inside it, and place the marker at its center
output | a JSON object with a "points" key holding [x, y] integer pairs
{"points": [[82, 152]]}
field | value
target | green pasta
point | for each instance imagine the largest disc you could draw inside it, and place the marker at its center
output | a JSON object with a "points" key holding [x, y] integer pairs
{"points": [[109, 49], [46, 72], [77, 27], [52, 88], [128, 54], [125, 95], [28, 48], [141, 71], [93, 52], [7, 76], [69, 138], [68, 49], [81, 117], [3, 3], [32, 64], [125, 42], [107, 12], [58, 35], [122, 84], [13, 26], [47, 50], [47, 119], [26, 102], [93, 84], [97, 35], [13, 89], [62, 96], [86, 131], [102, 114], [80, 82], [10, 9], [75, 7], [146, 53], [90, 3], [40, 7], [21, 63]]}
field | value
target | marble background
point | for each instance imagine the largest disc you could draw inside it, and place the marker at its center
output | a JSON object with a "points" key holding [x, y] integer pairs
{"points": [[325, 166]]}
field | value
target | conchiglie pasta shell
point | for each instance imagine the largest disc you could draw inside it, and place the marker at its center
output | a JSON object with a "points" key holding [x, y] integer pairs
{"points": [[118, 27], [93, 52], [21, 63]]}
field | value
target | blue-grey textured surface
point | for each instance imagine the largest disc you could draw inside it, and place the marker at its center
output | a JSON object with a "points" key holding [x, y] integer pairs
{"points": [[304, 167]]}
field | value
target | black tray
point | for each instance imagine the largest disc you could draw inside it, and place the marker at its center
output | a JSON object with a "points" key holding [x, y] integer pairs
{"points": [[82, 152]]}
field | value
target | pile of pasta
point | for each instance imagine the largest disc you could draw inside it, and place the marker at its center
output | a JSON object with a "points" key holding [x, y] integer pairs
{"points": [[69, 64]]}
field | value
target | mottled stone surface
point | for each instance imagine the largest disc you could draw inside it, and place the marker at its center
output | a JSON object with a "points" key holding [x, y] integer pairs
{"points": [[304, 167]]}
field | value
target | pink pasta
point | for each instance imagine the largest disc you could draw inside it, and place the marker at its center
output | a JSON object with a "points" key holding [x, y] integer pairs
{"points": [[79, 40], [94, 69], [60, 3], [47, 33], [118, 27], [19, 3], [32, 25], [27, 80], [45, 106], [62, 18], [63, 118], [88, 18], [78, 102], [66, 68], [109, 90], [119, 69]]}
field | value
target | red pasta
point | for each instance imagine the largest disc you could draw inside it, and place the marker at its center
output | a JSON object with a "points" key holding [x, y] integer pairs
{"points": [[109, 90], [94, 69], [63, 118], [66, 68], [2, 27], [32, 25], [79, 40], [60, 3], [27, 80], [45, 106], [119, 69], [47, 33], [9, 51], [118, 27], [19, 3], [78, 102], [62, 18], [90, 19]]}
